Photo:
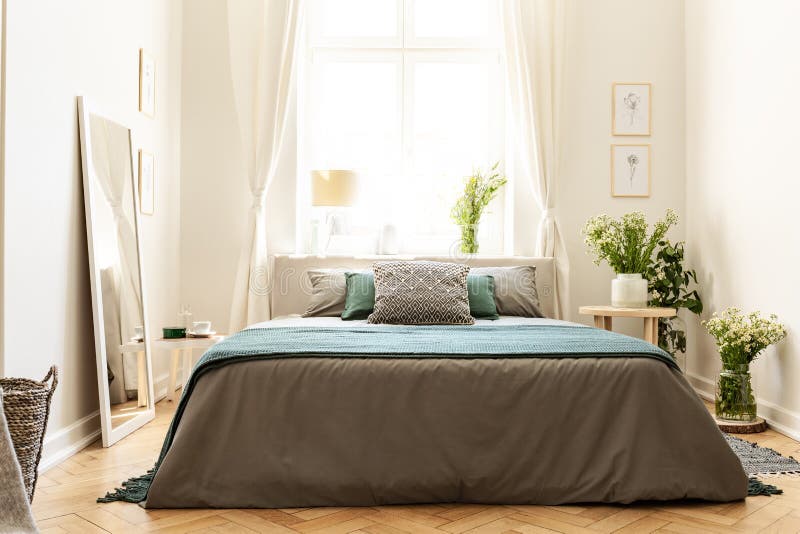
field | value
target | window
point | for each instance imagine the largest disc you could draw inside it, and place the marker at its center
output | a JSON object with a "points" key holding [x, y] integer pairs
{"points": [[410, 93]]}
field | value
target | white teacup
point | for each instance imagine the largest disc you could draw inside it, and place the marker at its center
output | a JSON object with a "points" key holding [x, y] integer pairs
{"points": [[201, 327], [138, 332]]}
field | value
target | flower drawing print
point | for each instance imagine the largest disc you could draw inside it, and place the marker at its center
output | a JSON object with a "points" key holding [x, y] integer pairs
{"points": [[631, 109], [632, 101], [633, 161], [630, 170]]}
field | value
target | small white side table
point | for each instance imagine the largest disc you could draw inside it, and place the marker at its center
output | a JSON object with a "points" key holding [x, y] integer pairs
{"points": [[185, 346]]}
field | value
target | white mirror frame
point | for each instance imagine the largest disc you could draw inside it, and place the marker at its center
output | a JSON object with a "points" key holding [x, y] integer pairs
{"points": [[111, 435]]}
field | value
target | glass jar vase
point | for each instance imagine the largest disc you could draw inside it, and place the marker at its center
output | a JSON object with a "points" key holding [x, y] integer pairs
{"points": [[734, 399], [469, 238]]}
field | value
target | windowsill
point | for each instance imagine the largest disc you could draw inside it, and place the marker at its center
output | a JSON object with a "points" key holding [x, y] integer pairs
{"points": [[415, 245], [400, 256]]}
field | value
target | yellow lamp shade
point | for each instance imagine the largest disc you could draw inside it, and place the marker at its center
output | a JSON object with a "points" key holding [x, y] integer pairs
{"points": [[334, 188]]}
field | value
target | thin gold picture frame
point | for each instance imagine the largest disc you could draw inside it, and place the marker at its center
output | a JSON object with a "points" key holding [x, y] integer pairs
{"points": [[614, 146], [614, 131], [143, 202], [144, 56]]}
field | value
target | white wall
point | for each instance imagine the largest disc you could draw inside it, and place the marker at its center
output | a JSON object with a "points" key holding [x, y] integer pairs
{"points": [[742, 82], [2, 166], [613, 40], [214, 195], [55, 51]]}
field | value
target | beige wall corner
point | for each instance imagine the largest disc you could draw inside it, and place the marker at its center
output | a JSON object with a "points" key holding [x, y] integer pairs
{"points": [[742, 116], [616, 41], [2, 176], [80, 48]]}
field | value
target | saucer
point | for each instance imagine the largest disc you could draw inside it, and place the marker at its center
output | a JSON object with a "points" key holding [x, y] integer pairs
{"points": [[210, 333]]}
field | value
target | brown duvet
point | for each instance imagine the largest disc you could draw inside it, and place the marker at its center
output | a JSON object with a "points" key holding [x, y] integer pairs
{"points": [[307, 432]]}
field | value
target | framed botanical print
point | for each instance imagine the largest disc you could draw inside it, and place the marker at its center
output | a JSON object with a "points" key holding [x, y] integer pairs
{"points": [[146, 182], [147, 83], [630, 170], [631, 109]]}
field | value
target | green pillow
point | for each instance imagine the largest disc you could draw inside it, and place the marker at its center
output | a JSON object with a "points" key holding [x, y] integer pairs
{"points": [[480, 290], [360, 297]]}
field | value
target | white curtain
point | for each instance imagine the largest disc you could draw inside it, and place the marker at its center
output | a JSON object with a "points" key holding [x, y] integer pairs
{"points": [[113, 334], [262, 38], [111, 159], [534, 46]]}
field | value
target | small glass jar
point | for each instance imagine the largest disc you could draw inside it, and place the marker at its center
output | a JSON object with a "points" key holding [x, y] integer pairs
{"points": [[469, 238], [734, 399]]}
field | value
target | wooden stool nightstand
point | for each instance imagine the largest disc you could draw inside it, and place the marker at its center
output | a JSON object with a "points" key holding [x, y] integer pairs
{"points": [[603, 316]]}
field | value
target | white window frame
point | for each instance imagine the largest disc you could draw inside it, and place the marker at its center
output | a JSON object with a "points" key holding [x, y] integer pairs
{"points": [[405, 50]]}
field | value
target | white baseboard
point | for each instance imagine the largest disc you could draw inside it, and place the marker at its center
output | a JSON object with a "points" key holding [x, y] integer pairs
{"points": [[62, 444], [784, 421]]}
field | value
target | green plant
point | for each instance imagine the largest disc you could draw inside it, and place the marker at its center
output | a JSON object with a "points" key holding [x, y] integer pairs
{"points": [[668, 284], [479, 191], [624, 243]]}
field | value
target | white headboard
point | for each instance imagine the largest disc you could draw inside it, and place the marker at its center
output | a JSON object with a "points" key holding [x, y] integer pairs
{"points": [[291, 288]]}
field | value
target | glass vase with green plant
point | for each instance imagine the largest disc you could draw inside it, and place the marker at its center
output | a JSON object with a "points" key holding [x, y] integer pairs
{"points": [[479, 190], [669, 287], [740, 339]]}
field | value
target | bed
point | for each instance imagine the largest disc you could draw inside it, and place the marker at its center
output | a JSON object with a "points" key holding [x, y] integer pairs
{"points": [[301, 412]]}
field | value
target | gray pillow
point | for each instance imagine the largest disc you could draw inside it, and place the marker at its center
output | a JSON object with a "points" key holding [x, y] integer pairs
{"points": [[328, 290], [421, 292], [514, 290]]}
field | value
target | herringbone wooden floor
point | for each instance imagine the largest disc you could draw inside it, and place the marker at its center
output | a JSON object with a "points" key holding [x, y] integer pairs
{"points": [[65, 502]]}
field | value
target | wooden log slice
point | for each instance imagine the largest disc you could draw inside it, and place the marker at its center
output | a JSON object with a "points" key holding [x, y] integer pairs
{"points": [[742, 427]]}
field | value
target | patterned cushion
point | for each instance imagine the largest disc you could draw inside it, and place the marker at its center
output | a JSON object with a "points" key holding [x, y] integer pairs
{"points": [[421, 292]]}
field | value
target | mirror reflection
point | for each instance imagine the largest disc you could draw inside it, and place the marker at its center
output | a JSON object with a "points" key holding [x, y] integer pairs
{"points": [[116, 264]]}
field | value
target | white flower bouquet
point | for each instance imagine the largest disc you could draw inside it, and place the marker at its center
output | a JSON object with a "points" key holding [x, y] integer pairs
{"points": [[625, 243], [741, 338]]}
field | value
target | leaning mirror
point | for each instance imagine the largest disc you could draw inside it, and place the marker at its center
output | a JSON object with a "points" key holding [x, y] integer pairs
{"points": [[122, 340]]}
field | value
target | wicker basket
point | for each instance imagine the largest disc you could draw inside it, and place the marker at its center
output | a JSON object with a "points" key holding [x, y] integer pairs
{"points": [[26, 404]]}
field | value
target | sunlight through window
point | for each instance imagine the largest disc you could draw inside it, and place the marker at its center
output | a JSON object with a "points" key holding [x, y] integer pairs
{"points": [[410, 94]]}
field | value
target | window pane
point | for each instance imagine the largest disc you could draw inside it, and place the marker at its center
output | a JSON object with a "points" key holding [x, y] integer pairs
{"points": [[451, 18], [452, 132], [355, 119], [450, 115], [414, 113], [358, 18]]}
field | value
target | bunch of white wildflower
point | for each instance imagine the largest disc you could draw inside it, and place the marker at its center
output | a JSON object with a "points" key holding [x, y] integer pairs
{"points": [[741, 338], [624, 243]]}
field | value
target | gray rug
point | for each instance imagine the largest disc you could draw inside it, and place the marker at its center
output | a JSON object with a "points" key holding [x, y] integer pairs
{"points": [[761, 460]]}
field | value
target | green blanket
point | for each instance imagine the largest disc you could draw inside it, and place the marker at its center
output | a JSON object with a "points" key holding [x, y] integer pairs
{"points": [[495, 341], [513, 341]]}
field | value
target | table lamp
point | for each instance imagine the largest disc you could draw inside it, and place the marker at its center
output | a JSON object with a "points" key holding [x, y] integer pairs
{"points": [[334, 189]]}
